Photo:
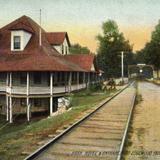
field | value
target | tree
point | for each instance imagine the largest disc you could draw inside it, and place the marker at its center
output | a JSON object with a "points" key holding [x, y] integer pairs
{"points": [[140, 56], [78, 49], [151, 50], [111, 43]]}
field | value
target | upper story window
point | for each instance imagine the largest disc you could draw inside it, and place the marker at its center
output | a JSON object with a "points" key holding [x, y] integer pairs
{"points": [[17, 42]]}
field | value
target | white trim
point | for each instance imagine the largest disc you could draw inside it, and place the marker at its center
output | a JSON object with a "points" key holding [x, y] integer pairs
{"points": [[51, 105], [27, 83], [10, 110], [70, 82], [7, 109], [51, 93], [28, 109]]}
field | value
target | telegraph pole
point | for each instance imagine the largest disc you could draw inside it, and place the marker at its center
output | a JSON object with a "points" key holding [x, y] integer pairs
{"points": [[122, 66], [40, 30]]}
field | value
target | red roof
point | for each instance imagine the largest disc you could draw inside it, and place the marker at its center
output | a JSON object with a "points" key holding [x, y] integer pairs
{"points": [[85, 61], [33, 57], [24, 62], [22, 26], [57, 38]]}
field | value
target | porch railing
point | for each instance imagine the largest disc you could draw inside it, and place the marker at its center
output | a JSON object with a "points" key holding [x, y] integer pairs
{"points": [[41, 90]]}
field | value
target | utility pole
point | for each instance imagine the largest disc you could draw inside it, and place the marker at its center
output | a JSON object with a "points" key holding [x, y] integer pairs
{"points": [[122, 66], [40, 30]]}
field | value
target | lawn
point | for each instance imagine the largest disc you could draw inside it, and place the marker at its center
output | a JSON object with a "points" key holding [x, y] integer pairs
{"points": [[16, 140]]}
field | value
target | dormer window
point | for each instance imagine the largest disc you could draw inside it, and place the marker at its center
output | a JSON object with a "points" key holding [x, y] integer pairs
{"points": [[17, 42]]}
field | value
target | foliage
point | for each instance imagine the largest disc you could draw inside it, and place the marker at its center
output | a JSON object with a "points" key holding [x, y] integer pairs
{"points": [[140, 56], [151, 51], [78, 49], [111, 43], [95, 87]]}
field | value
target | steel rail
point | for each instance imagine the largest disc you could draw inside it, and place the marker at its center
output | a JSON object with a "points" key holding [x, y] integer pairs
{"points": [[69, 129], [126, 129]]}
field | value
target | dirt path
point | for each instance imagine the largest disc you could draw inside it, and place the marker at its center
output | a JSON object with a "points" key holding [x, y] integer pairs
{"points": [[145, 131]]}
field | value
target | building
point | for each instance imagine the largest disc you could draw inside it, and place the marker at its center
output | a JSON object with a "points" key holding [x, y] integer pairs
{"points": [[34, 73], [59, 41]]}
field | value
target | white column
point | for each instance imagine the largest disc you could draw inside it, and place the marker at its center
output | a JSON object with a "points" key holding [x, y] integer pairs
{"points": [[70, 81], [7, 103], [10, 80], [51, 93], [10, 110], [28, 104], [10, 99], [27, 83], [28, 109], [7, 108]]}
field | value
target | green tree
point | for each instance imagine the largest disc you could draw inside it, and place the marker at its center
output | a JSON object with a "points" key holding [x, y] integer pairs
{"points": [[152, 49], [140, 56], [78, 49], [111, 43]]}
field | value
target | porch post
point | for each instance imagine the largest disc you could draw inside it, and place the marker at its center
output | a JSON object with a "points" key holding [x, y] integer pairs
{"points": [[10, 110], [10, 99], [7, 103], [28, 104], [51, 93], [77, 80], [7, 108], [70, 81], [28, 109]]}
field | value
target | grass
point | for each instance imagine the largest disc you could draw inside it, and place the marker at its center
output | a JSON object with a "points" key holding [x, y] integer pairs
{"points": [[16, 139]]}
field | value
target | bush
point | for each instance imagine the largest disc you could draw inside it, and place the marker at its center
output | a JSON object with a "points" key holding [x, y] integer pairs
{"points": [[95, 87]]}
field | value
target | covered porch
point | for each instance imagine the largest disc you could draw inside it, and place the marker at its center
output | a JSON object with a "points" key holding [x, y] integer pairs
{"points": [[26, 85]]}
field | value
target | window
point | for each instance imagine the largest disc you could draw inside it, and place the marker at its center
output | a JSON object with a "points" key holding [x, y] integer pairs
{"points": [[23, 78], [17, 42], [37, 78]]}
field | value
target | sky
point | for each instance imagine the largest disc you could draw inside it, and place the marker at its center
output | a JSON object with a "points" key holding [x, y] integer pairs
{"points": [[82, 19]]}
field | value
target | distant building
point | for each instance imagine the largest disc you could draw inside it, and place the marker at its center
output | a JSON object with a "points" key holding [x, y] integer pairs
{"points": [[34, 76]]}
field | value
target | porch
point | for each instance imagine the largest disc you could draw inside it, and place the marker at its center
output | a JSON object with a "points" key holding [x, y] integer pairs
{"points": [[44, 83]]}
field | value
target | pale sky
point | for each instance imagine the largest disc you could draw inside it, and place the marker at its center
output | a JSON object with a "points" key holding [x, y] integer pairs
{"points": [[82, 19]]}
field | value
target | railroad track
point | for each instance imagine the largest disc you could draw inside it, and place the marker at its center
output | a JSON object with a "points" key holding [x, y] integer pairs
{"points": [[98, 136]]}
